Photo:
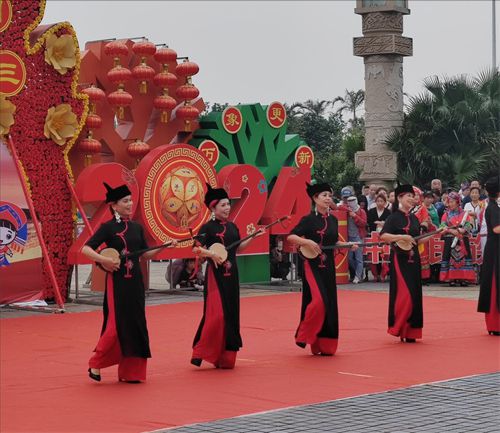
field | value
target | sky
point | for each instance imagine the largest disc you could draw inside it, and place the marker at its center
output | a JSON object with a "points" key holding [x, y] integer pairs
{"points": [[287, 51]]}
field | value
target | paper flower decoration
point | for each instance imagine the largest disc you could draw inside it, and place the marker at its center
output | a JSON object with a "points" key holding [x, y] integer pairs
{"points": [[60, 124], [7, 110], [60, 52]]}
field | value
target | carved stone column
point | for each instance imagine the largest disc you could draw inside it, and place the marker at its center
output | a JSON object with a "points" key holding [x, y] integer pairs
{"points": [[383, 49]]}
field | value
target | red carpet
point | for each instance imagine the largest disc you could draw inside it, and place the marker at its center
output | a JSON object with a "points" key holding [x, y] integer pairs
{"points": [[45, 388]]}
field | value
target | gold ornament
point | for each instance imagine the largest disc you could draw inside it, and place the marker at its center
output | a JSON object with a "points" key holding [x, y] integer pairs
{"points": [[60, 124], [7, 110], [60, 52]]}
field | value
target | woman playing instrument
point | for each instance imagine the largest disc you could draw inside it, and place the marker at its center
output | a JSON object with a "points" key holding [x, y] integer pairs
{"points": [[489, 294], [218, 337], [405, 289], [124, 336], [317, 231], [456, 263]]}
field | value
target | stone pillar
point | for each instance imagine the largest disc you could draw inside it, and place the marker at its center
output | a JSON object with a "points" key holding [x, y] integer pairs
{"points": [[383, 49]]}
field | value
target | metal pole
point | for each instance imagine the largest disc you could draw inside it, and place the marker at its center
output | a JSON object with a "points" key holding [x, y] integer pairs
{"points": [[493, 35]]}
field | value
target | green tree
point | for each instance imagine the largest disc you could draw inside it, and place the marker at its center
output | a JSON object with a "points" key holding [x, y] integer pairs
{"points": [[351, 102], [451, 131]]}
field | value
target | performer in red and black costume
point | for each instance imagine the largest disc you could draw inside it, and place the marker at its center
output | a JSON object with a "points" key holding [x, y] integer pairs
{"points": [[319, 320], [218, 337], [405, 289], [124, 336], [489, 294]]}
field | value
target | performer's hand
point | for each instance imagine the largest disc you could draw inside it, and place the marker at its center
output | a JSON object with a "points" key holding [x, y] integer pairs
{"points": [[112, 263], [315, 247], [352, 214], [173, 243], [218, 260], [354, 247]]}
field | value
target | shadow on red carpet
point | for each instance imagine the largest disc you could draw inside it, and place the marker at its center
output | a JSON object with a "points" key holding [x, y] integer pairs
{"points": [[45, 387]]}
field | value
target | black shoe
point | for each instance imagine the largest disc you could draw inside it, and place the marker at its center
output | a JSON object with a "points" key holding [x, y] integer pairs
{"points": [[196, 361], [326, 354], [494, 333], [94, 376], [129, 381], [300, 344], [410, 340]]}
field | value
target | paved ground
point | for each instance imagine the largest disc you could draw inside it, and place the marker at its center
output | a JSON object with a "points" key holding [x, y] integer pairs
{"points": [[460, 406]]}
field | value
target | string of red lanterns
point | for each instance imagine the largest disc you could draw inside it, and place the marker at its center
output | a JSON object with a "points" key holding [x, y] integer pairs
{"points": [[187, 92], [165, 80], [143, 72], [89, 145], [118, 75]]}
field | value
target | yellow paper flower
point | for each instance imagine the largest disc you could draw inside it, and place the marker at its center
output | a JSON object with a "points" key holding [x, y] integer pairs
{"points": [[60, 124], [7, 110], [60, 52]]}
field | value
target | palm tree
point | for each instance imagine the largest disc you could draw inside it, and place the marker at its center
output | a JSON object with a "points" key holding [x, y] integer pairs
{"points": [[451, 129], [351, 102], [315, 107]]}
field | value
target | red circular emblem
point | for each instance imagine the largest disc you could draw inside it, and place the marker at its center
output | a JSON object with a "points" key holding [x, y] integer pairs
{"points": [[12, 73], [210, 150], [232, 119], [304, 157], [172, 199], [276, 114], [5, 14]]}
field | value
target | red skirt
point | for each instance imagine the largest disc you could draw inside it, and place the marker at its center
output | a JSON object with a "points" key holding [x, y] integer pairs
{"points": [[211, 345], [493, 317], [108, 351], [313, 320], [403, 309]]}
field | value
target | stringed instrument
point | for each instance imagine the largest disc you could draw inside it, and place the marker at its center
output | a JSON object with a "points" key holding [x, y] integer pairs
{"points": [[114, 254], [408, 245], [221, 250], [309, 253]]}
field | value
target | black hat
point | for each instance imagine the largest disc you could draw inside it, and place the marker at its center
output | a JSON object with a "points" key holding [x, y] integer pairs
{"points": [[404, 189], [492, 186], [115, 194], [317, 188], [214, 194]]}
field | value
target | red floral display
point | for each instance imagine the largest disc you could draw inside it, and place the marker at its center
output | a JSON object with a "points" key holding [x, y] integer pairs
{"points": [[44, 162]]}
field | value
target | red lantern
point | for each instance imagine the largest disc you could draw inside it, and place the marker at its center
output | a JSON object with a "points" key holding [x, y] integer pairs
{"points": [[120, 99], [93, 121], [164, 103], [165, 55], [188, 113], [119, 75], [138, 149], [116, 49], [143, 73], [165, 79], [187, 92], [89, 146], [95, 95], [187, 69], [144, 48]]}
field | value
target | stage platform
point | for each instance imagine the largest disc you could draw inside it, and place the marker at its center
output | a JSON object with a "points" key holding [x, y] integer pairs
{"points": [[45, 388]]}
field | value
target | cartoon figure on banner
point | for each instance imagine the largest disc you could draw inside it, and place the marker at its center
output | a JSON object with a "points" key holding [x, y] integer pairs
{"points": [[181, 195], [13, 231]]}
